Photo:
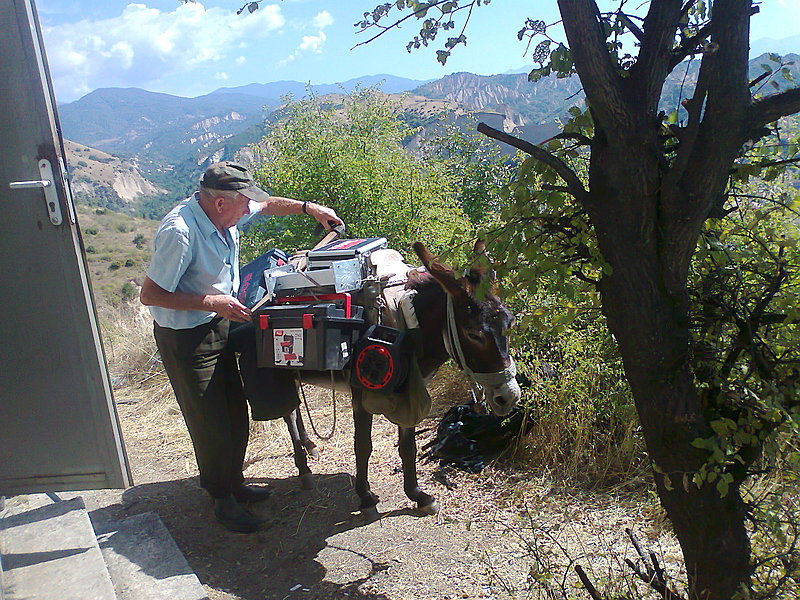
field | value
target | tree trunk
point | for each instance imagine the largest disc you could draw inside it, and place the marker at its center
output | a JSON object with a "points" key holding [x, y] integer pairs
{"points": [[645, 302]]}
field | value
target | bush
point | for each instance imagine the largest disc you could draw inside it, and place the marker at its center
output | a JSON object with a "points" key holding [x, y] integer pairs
{"points": [[91, 250], [350, 157], [114, 265], [585, 424], [128, 291], [130, 263], [91, 230]]}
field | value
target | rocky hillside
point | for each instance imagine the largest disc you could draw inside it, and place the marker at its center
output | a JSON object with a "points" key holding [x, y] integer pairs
{"points": [[521, 101], [170, 140], [98, 178]]}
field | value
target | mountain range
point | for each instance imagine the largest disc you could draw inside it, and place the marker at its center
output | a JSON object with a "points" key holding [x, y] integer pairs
{"points": [[171, 139]]}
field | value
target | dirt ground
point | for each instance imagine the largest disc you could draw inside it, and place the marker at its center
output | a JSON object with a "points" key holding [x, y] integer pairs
{"points": [[499, 534]]}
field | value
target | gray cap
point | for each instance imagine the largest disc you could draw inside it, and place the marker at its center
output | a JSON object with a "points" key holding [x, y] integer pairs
{"points": [[227, 175]]}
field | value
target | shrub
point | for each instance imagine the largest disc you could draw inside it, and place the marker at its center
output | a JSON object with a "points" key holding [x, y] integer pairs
{"points": [[128, 291], [585, 424], [91, 230]]}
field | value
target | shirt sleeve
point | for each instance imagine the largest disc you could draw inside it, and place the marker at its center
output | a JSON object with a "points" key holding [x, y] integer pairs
{"points": [[253, 211], [172, 254]]}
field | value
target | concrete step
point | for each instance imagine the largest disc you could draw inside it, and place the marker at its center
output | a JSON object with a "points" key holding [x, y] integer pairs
{"points": [[50, 552], [144, 562]]}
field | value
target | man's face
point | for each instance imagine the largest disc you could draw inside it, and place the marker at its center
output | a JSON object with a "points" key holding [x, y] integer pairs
{"points": [[231, 210]]}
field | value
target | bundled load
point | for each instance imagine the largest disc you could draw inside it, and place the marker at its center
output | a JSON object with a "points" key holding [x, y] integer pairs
{"points": [[468, 440], [304, 312]]}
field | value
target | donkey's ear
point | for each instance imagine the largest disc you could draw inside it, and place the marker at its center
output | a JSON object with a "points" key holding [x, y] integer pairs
{"points": [[479, 248], [444, 275]]}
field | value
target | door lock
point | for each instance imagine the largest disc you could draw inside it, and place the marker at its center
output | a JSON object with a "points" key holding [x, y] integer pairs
{"points": [[46, 184]]}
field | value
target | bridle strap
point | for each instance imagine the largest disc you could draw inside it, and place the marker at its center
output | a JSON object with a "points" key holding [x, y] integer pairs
{"points": [[453, 346]]}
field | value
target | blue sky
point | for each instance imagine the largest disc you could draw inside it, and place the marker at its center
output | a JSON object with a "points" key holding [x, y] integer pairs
{"points": [[194, 48]]}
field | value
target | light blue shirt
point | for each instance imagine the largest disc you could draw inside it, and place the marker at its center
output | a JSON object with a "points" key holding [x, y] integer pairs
{"points": [[191, 255]]}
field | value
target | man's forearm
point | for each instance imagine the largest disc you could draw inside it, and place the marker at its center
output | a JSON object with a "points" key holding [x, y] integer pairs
{"points": [[278, 206], [154, 295], [222, 304]]}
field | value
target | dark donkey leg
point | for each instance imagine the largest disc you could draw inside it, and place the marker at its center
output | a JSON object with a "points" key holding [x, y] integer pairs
{"points": [[294, 423], [362, 421], [311, 447], [407, 447]]}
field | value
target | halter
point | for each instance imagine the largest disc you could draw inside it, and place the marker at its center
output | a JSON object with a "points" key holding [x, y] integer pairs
{"points": [[453, 346]]}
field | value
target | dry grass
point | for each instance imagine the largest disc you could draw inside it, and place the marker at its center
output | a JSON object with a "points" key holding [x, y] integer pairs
{"points": [[534, 526]]}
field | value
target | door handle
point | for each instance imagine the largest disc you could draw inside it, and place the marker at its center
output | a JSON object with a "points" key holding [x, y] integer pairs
{"points": [[37, 183], [45, 184]]}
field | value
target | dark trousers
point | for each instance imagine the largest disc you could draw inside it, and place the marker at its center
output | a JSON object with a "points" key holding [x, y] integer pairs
{"points": [[206, 382]]}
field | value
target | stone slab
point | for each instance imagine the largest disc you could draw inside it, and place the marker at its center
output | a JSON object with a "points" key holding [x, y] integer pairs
{"points": [[49, 551], [144, 561]]}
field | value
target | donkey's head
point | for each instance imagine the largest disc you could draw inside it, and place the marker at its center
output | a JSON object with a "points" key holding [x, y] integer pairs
{"points": [[476, 329]]}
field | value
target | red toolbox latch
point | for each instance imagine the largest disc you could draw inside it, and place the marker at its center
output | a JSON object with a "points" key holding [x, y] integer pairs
{"points": [[308, 321], [263, 321]]}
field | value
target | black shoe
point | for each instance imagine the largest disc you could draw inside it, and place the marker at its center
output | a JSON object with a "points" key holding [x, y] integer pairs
{"points": [[233, 516], [247, 494]]}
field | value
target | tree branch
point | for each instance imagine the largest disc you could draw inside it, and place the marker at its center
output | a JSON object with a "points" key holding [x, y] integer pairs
{"points": [[569, 176], [578, 137], [587, 583], [596, 69], [396, 24], [653, 575], [633, 27], [653, 64], [721, 103], [770, 109], [689, 45]]}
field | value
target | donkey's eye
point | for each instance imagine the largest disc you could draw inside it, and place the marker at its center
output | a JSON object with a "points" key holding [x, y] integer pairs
{"points": [[475, 337]]}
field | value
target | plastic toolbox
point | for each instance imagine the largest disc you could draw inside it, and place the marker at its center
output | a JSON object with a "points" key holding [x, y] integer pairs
{"points": [[316, 337]]}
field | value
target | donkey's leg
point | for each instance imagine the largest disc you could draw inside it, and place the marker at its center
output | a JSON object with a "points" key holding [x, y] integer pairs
{"points": [[300, 461], [311, 447], [407, 447], [362, 421]]}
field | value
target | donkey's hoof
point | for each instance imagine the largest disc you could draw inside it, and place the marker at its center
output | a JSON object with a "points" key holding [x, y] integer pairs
{"points": [[313, 452], [370, 513], [429, 509], [307, 481]]}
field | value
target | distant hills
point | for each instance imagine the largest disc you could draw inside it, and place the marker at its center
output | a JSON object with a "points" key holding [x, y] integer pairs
{"points": [[166, 141], [276, 90]]}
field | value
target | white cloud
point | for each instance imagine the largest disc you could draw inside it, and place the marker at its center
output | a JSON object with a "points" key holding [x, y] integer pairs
{"points": [[222, 76], [144, 45], [309, 44], [322, 20], [312, 44]]}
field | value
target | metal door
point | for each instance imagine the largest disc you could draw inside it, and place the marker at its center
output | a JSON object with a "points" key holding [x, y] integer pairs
{"points": [[58, 424]]}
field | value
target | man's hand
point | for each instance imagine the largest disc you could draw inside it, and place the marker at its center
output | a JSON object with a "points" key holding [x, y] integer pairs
{"points": [[228, 307], [325, 216]]}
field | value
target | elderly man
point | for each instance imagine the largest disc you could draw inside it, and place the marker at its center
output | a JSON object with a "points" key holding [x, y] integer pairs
{"points": [[190, 287]]}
